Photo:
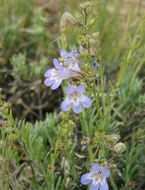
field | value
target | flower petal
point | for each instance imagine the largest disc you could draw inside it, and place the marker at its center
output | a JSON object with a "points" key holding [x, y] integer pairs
{"points": [[86, 102], [65, 106], [94, 187], [77, 109], [75, 67], [81, 47], [104, 186], [95, 166], [70, 89], [48, 72], [81, 88], [66, 73], [106, 172], [63, 53], [85, 179], [56, 63], [71, 54], [56, 84], [48, 82]]}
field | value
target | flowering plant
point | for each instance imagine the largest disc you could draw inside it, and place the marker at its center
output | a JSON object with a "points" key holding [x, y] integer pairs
{"points": [[81, 70]]}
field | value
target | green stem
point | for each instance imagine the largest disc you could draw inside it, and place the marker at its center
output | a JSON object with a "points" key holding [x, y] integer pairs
{"points": [[85, 126], [96, 100], [112, 183]]}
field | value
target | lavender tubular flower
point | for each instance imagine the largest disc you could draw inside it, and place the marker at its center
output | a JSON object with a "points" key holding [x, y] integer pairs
{"points": [[75, 99], [97, 178], [56, 75], [69, 60]]}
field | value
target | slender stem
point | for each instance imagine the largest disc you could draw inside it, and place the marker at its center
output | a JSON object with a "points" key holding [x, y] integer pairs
{"points": [[112, 183], [85, 126]]}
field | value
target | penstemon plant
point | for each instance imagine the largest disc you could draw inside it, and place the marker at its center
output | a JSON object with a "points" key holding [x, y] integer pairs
{"points": [[83, 82], [100, 72]]}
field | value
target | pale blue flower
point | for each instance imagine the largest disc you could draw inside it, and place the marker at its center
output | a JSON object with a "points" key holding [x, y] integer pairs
{"points": [[56, 75], [75, 99], [97, 177], [70, 60]]}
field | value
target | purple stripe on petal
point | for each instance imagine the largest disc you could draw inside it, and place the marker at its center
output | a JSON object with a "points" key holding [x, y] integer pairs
{"points": [[63, 53], [86, 102], [56, 84], [65, 106], [85, 179], [48, 82], [77, 109], [104, 186], [95, 166], [81, 88], [48, 72], [56, 63], [70, 89], [94, 187]]}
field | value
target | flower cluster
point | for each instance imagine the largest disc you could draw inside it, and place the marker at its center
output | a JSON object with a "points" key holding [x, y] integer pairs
{"points": [[67, 69]]}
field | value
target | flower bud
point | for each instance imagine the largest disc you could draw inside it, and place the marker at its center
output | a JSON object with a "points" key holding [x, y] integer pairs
{"points": [[58, 145], [49, 166], [112, 166], [85, 5], [93, 42], [95, 35], [67, 18], [114, 137], [119, 147], [6, 106]]}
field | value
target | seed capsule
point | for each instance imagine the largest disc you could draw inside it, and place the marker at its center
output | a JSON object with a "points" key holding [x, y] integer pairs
{"points": [[67, 18], [119, 147]]}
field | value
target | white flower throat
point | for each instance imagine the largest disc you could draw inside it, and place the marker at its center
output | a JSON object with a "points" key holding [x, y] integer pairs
{"points": [[97, 176], [55, 75], [75, 97]]}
